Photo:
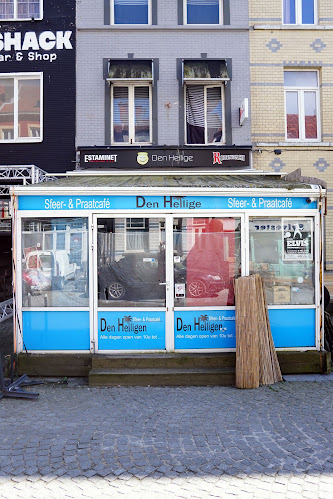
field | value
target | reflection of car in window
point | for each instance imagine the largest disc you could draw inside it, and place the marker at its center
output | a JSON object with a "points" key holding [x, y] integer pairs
{"points": [[44, 268], [139, 275]]}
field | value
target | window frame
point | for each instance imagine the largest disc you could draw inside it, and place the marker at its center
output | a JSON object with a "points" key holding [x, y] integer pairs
{"points": [[24, 76], [301, 90], [206, 85], [298, 14], [149, 23], [131, 112], [16, 18], [204, 24]]}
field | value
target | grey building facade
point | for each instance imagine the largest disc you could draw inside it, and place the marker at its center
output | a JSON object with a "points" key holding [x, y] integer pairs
{"points": [[180, 55]]}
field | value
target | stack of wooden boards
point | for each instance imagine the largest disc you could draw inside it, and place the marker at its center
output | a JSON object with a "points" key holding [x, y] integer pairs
{"points": [[256, 359]]}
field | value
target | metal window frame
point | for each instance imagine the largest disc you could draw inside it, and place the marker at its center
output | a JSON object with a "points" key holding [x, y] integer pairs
{"points": [[220, 21], [298, 14], [149, 23], [131, 111], [301, 90], [15, 15], [206, 86], [24, 76]]}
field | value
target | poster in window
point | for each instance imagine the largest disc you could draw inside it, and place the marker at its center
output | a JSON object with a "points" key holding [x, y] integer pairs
{"points": [[297, 239]]}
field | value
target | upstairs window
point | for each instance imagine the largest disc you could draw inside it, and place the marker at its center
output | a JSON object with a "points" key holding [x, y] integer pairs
{"points": [[131, 98], [299, 11], [20, 107], [202, 12], [302, 105], [204, 101], [131, 12], [20, 9]]}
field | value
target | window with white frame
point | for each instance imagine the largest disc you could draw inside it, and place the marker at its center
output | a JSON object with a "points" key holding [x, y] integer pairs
{"points": [[131, 11], [204, 114], [131, 101], [21, 107], [302, 105], [203, 11], [21, 9], [299, 11]]}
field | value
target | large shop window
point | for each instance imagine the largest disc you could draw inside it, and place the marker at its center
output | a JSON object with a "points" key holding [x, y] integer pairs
{"points": [[131, 102], [55, 262], [130, 11], [131, 262], [282, 252], [21, 107], [207, 258], [204, 99], [21, 9], [299, 11], [302, 105], [202, 11]]}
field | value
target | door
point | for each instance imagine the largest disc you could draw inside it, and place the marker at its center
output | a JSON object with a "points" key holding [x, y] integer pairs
{"points": [[131, 298]]}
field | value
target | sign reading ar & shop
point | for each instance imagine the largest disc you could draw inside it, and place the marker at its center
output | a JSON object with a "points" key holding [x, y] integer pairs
{"points": [[297, 239]]}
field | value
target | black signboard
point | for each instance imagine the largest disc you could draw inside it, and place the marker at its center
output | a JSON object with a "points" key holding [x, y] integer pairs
{"points": [[161, 157]]}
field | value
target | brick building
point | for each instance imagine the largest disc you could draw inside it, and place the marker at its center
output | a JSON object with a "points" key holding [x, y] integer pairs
{"points": [[292, 91]]}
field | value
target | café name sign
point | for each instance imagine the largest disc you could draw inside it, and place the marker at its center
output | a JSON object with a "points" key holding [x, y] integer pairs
{"points": [[29, 45], [163, 157]]}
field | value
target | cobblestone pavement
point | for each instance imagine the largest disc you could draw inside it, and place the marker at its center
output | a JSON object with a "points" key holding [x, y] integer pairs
{"points": [[189, 442]]}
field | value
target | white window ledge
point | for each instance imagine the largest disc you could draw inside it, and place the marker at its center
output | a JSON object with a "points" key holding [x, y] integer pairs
{"points": [[294, 26], [294, 144]]}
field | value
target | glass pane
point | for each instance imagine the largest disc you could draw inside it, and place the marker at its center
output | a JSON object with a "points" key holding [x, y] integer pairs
{"points": [[131, 11], [120, 114], [214, 115], [281, 252], [292, 115], [55, 262], [289, 12], [205, 69], [307, 11], [29, 108], [203, 12], [131, 262], [27, 9], [130, 69], [195, 114], [6, 9], [206, 260], [7, 108], [300, 79], [310, 111], [141, 104]]}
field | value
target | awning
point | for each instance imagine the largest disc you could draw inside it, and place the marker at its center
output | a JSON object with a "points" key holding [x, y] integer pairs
{"points": [[130, 70], [205, 71]]}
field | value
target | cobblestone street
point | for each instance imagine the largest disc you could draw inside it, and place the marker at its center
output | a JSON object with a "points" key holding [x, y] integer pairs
{"points": [[76, 441]]}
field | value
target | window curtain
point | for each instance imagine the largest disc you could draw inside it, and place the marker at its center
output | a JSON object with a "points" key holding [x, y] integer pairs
{"points": [[203, 12], [195, 114], [289, 12], [136, 240], [120, 114], [141, 104], [27, 8], [131, 11]]}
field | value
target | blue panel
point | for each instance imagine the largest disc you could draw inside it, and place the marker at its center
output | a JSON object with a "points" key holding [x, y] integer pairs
{"points": [[203, 12], [131, 330], [205, 329], [153, 203], [293, 328], [307, 11], [58, 330]]}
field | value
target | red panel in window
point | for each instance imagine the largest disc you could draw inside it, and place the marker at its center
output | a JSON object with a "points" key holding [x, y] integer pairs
{"points": [[310, 127], [292, 126]]}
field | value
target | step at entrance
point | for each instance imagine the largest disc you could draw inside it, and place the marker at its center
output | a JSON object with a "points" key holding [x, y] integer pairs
{"points": [[163, 370]]}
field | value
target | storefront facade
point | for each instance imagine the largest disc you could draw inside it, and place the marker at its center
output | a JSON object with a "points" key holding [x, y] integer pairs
{"points": [[119, 263]]}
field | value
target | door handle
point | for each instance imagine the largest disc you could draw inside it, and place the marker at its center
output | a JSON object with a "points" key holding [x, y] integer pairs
{"points": [[163, 283]]}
